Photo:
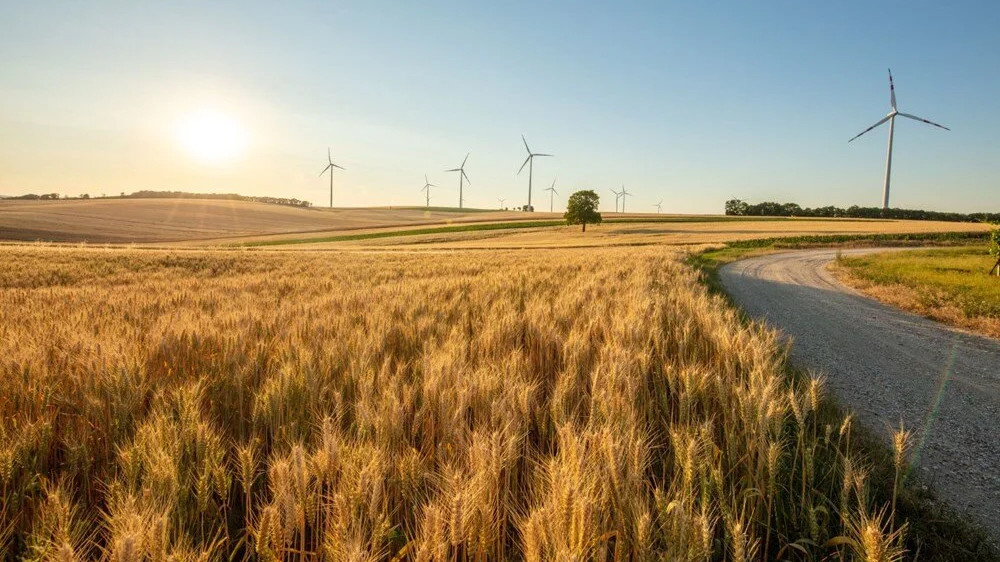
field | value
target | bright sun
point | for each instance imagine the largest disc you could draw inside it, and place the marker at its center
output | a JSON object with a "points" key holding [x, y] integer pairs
{"points": [[211, 136]]}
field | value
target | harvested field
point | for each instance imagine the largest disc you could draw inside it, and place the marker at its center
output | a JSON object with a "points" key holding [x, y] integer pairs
{"points": [[174, 220], [709, 230]]}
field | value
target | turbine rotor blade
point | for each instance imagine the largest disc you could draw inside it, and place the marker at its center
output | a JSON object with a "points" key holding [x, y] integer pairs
{"points": [[921, 119], [466, 158], [880, 121], [540, 154], [892, 91], [525, 144], [324, 170], [454, 170], [336, 166], [328, 157], [523, 165]]}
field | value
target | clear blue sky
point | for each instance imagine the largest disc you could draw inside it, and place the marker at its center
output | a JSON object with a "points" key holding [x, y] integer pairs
{"points": [[690, 102]]}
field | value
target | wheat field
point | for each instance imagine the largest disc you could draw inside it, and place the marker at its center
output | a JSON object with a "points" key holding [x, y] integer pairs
{"points": [[553, 405]]}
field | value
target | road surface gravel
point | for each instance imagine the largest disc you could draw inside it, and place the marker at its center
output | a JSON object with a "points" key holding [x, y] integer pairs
{"points": [[888, 365]]}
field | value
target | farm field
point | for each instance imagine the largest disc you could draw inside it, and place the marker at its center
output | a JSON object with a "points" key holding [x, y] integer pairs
{"points": [[205, 222], [172, 220], [708, 230], [369, 406], [950, 285]]}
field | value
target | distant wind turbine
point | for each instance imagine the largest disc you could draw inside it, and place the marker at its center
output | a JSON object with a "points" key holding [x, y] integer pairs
{"points": [[552, 191], [617, 197], [427, 187], [330, 166], [530, 163], [659, 207], [461, 179], [501, 200], [624, 194], [891, 118]]}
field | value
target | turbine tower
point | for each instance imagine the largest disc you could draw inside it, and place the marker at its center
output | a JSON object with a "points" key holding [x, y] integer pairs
{"points": [[552, 191], [618, 196], [330, 166], [427, 187], [624, 194], [461, 177], [659, 207], [891, 118], [530, 163]]}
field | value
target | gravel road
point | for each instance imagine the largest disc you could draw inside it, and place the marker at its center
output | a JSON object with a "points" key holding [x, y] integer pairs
{"points": [[887, 365]]}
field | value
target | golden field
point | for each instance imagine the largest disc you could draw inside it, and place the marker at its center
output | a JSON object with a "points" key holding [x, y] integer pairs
{"points": [[687, 231], [117, 220], [553, 405]]}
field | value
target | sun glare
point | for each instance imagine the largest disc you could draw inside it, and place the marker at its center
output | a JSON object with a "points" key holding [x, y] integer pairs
{"points": [[211, 136]]}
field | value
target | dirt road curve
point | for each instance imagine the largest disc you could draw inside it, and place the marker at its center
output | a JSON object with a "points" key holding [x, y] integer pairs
{"points": [[885, 365]]}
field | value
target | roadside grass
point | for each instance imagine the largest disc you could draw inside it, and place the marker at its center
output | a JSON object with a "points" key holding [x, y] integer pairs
{"points": [[950, 285], [709, 261], [474, 227], [936, 532]]}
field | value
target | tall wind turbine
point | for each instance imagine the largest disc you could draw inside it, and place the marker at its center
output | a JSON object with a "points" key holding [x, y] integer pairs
{"points": [[427, 187], [461, 177], [618, 196], [624, 194], [501, 200], [552, 191], [659, 207], [891, 118], [330, 166], [530, 163]]}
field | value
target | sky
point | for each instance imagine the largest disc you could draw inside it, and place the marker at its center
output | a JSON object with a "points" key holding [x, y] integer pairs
{"points": [[688, 103]]}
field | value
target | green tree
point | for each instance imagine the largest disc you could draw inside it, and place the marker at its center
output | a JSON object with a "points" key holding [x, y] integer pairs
{"points": [[582, 208]]}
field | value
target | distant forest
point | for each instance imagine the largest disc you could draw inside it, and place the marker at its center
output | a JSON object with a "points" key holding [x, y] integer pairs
{"points": [[146, 194], [772, 209]]}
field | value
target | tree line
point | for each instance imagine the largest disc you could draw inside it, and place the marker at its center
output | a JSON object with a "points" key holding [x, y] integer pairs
{"points": [[147, 194], [738, 207]]}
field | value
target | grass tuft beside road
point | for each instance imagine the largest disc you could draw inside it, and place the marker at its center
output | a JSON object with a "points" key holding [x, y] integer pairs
{"points": [[951, 285]]}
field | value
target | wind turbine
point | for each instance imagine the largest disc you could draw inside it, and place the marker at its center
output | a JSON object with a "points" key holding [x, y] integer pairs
{"points": [[530, 163], [330, 167], [501, 200], [891, 118], [552, 191], [617, 197], [427, 187], [624, 194], [659, 207], [461, 177]]}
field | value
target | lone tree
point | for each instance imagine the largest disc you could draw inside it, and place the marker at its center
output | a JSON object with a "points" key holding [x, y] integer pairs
{"points": [[995, 248], [582, 208]]}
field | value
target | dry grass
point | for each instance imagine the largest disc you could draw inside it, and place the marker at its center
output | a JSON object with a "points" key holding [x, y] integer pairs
{"points": [[481, 406], [948, 285]]}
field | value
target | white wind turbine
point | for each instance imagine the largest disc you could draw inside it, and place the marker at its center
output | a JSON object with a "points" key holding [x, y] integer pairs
{"points": [[617, 197], [659, 207], [623, 195], [552, 191], [530, 163], [461, 177], [501, 200], [891, 118], [330, 166], [427, 187]]}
